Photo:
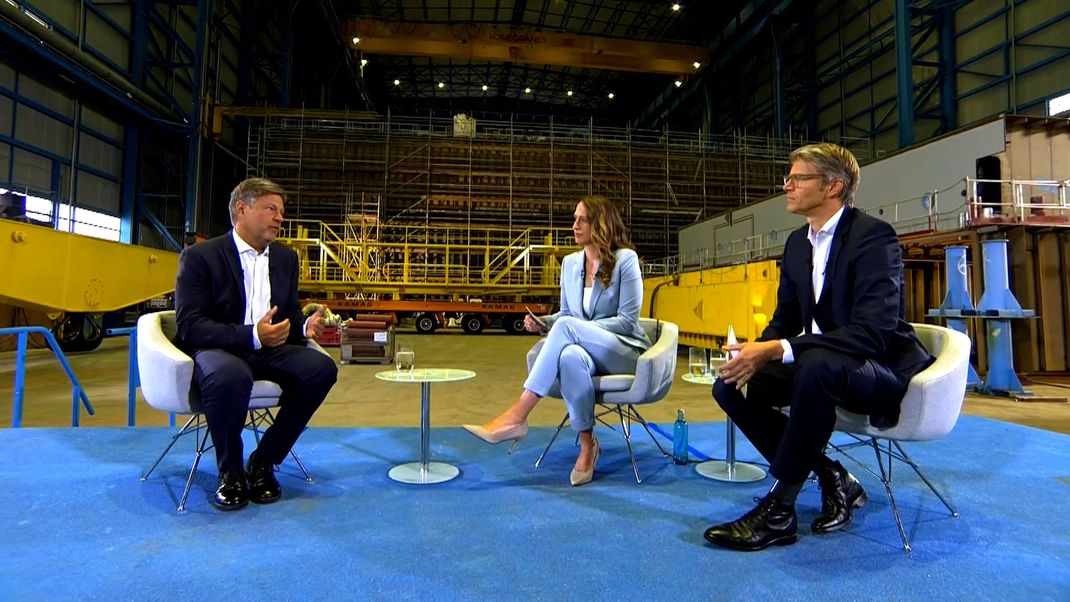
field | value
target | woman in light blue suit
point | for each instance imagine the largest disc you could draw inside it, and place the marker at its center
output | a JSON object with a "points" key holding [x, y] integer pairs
{"points": [[596, 332]]}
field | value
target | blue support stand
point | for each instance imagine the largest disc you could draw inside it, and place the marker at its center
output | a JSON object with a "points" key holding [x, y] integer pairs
{"points": [[957, 301], [78, 397], [998, 306], [133, 378]]}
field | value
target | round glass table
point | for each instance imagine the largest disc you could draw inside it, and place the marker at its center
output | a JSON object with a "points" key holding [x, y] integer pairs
{"points": [[727, 469], [424, 471]]}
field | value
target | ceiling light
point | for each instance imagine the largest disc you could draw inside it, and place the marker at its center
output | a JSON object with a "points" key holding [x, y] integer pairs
{"points": [[611, 95], [397, 82], [676, 6], [356, 40], [441, 84], [527, 90], [696, 64], [678, 83], [485, 87], [569, 92]]}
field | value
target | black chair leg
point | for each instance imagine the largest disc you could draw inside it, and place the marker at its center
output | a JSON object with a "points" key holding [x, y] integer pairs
{"points": [[625, 416], [199, 429], [625, 425], [893, 451], [910, 462], [560, 426], [263, 416]]}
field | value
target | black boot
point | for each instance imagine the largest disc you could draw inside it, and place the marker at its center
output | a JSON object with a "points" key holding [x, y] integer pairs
{"points": [[840, 494], [771, 522], [232, 492], [263, 486]]}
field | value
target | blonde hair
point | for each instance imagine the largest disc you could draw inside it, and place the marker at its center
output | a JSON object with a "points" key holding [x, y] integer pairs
{"points": [[607, 233], [833, 162], [250, 189]]}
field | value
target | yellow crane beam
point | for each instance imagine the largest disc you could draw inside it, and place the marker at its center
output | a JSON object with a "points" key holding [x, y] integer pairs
{"points": [[52, 270], [498, 44]]}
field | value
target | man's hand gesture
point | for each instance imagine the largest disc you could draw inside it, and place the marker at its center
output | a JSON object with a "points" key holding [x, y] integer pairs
{"points": [[751, 358], [272, 335], [314, 325]]}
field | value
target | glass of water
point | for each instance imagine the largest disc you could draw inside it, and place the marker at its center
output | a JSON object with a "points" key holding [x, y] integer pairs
{"points": [[697, 364], [405, 359], [717, 359]]}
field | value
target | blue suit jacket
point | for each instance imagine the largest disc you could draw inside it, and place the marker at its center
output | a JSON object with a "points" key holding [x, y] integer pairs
{"points": [[616, 307], [210, 296], [861, 307]]}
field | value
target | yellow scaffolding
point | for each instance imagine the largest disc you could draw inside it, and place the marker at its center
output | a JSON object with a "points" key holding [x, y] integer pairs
{"points": [[362, 257]]}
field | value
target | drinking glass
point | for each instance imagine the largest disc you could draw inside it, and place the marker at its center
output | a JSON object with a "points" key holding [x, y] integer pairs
{"points": [[717, 359], [697, 364], [405, 359]]}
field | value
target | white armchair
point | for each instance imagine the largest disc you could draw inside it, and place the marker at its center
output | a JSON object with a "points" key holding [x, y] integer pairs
{"points": [[166, 374], [620, 393], [929, 411]]}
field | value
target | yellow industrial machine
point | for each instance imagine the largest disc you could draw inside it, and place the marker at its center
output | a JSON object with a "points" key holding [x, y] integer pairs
{"points": [[52, 272], [705, 303]]}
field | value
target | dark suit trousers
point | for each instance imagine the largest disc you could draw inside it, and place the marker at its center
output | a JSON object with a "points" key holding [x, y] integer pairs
{"points": [[819, 381], [225, 381]]}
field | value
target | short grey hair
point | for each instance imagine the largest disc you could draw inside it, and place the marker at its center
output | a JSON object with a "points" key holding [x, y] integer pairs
{"points": [[833, 162], [250, 189]]}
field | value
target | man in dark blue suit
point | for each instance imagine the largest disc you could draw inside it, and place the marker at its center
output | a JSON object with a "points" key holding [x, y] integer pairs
{"points": [[239, 318], [837, 338]]}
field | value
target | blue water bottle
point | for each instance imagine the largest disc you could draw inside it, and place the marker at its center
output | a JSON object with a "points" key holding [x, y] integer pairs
{"points": [[679, 438]]}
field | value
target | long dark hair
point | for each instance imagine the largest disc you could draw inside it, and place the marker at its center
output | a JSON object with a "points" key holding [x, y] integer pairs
{"points": [[607, 233]]}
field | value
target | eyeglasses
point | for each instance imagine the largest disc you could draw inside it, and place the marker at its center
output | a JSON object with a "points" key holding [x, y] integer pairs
{"points": [[794, 179]]}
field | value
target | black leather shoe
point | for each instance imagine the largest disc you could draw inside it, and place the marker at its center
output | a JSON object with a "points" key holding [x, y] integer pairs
{"points": [[263, 486], [840, 494], [232, 492], [770, 523]]}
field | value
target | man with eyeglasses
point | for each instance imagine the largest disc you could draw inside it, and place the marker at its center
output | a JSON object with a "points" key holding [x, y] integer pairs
{"points": [[837, 339]]}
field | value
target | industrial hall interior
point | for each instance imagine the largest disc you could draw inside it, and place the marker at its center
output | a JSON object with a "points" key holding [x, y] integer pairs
{"points": [[535, 299]]}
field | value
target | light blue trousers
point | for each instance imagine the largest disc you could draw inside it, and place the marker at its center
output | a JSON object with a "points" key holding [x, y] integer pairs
{"points": [[575, 351]]}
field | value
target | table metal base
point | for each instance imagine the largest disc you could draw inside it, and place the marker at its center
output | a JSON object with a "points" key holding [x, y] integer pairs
{"points": [[416, 473], [736, 472]]}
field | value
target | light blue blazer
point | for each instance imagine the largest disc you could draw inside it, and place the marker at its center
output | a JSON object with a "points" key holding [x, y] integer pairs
{"points": [[614, 307]]}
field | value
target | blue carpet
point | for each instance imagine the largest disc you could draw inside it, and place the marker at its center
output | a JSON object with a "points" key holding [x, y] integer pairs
{"points": [[79, 525]]}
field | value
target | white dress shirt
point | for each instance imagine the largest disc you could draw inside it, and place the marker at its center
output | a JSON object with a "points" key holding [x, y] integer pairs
{"points": [[255, 275], [821, 241]]}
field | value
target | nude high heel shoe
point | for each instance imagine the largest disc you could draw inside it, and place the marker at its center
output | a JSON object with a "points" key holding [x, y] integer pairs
{"points": [[514, 433], [578, 477]]}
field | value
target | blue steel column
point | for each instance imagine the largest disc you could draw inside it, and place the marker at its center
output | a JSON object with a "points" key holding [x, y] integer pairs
{"points": [[808, 22], [288, 60], [196, 147], [949, 117], [128, 232], [904, 73], [56, 183], [139, 35], [778, 81]]}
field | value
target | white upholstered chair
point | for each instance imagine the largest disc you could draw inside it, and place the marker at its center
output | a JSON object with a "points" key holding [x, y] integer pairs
{"points": [[929, 411], [620, 393], [166, 374]]}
